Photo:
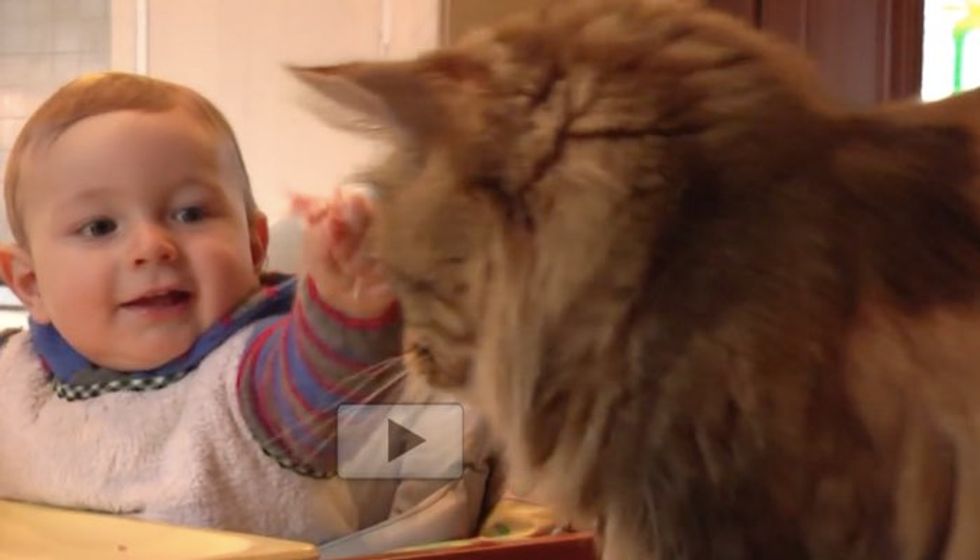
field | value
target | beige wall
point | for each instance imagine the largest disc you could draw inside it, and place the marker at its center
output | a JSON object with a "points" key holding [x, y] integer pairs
{"points": [[462, 16], [233, 51], [43, 44]]}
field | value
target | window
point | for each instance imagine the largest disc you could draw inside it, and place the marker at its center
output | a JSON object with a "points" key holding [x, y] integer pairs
{"points": [[950, 47], [43, 44]]}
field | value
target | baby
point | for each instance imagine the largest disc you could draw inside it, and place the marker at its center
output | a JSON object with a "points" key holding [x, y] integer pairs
{"points": [[163, 375]]}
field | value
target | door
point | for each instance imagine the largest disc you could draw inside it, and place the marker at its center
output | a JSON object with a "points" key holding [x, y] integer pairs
{"points": [[867, 51]]}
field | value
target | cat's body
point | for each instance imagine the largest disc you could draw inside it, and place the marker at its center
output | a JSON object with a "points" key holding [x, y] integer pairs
{"points": [[698, 301]]}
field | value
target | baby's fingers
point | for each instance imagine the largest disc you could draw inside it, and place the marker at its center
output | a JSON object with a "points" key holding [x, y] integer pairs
{"points": [[341, 242], [309, 208], [359, 212], [354, 209]]}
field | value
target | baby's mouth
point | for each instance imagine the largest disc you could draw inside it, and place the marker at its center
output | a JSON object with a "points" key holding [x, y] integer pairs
{"points": [[159, 300]]}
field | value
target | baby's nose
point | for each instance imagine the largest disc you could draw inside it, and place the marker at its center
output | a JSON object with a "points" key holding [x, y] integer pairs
{"points": [[153, 243]]}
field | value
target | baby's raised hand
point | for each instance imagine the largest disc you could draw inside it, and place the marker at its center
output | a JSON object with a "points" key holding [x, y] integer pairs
{"points": [[334, 254]]}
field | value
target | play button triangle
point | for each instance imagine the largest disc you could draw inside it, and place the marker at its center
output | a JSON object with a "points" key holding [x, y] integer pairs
{"points": [[401, 440]]}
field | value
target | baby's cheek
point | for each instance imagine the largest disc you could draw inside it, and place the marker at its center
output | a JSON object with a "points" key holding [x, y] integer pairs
{"points": [[85, 293], [225, 279]]}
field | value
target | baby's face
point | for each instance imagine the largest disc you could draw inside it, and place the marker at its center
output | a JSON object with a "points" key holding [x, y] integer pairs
{"points": [[137, 231]]}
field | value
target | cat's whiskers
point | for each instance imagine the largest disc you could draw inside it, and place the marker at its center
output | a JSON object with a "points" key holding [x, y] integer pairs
{"points": [[322, 425], [330, 440], [366, 377]]}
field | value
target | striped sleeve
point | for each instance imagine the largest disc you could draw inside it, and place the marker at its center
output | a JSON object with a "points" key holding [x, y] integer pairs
{"points": [[299, 368]]}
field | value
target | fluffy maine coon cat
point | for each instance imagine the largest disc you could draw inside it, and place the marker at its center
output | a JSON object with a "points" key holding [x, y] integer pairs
{"points": [[701, 303]]}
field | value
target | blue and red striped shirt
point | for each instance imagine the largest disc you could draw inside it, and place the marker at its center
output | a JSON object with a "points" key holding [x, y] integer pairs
{"points": [[300, 367]]}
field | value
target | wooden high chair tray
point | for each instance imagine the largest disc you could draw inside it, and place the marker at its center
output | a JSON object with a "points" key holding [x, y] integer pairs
{"points": [[575, 546], [31, 531]]}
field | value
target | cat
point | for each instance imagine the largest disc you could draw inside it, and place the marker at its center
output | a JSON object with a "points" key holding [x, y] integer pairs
{"points": [[704, 304]]}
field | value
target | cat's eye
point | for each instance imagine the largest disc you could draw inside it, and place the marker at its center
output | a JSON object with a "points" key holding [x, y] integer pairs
{"points": [[99, 227], [189, 214], [423, 353], [490, 182]]}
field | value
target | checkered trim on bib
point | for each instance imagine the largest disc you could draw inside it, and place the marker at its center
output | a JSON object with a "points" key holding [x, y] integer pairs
{"points": [[300, 469], [74, 378], [73, 392]]}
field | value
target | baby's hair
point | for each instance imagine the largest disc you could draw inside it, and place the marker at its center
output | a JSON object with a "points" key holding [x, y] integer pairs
{"points": [[95, 94]]}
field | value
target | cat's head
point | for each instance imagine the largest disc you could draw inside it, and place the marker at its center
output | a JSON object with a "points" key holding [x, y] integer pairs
{"points": [[535, 161]]}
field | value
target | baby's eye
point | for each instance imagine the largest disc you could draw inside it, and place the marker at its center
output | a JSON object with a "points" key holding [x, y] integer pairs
{"points": [[99, 227], [189, 214]]}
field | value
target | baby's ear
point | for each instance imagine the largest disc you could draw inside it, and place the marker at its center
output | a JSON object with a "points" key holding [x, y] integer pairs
{"points": [[17, 270], [258, 240], [6, 264]]}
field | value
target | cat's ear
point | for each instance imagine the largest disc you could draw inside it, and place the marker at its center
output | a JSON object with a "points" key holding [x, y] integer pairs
{"points": [[961, 110], [374, 97]]}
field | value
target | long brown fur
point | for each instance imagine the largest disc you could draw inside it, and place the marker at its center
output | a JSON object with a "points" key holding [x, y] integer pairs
{"points": [[697, 298]]}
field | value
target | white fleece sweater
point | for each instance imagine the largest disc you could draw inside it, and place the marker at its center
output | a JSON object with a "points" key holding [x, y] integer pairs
{"points": [[181, 454]]}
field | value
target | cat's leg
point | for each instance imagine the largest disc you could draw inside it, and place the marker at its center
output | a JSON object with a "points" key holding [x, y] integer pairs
{"points": [[619, 539], [964, 538]]}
